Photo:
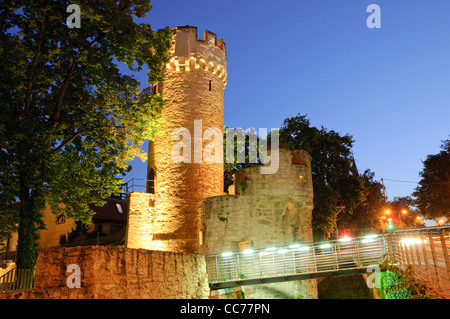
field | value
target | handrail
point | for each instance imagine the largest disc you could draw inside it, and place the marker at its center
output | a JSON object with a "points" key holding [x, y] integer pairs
{"points": [[130, 186], [294, 261], [17, 279], [424, 249], [7, 275], [421, 229]]}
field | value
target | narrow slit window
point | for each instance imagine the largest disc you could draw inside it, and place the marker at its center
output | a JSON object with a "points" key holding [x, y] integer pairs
{"points": [[210, 84], [151, 182]]}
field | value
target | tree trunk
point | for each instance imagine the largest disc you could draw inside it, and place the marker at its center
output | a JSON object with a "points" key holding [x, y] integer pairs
{"points": [[28, 235]]}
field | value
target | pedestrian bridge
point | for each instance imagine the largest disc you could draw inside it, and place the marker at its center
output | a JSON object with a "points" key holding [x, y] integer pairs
{"points": [[294, 262], [425, 249]]}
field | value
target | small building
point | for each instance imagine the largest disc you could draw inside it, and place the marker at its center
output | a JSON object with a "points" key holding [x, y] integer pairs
{"points": [[109, 219]]}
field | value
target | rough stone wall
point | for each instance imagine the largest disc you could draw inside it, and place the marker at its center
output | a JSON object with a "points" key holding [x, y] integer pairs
{"points": [[301, 289], [118, 273], [194, 85], [344, 287], [140, 226], [268, 209]]}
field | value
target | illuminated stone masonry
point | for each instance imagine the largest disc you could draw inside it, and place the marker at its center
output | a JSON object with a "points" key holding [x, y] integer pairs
{"points": [[266, 210], [117, 273], [195, 79], [185, 208]]}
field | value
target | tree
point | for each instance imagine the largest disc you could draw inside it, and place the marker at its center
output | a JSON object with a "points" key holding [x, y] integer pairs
{"points": [[8, 225], [432, 195], [336, 180], [71, 117], [244, 144], [366, 217]]}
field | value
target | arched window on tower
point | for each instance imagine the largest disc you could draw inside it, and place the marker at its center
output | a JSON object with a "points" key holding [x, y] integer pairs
{"points": [[151, 181]]}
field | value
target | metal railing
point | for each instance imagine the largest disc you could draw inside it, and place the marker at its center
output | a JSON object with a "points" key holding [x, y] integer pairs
{"points": [[250, 266], [136, 185], [17, 279], [427, 251]]}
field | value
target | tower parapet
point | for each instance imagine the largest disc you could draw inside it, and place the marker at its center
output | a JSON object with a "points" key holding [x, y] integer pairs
{"points": [[191, 53]]}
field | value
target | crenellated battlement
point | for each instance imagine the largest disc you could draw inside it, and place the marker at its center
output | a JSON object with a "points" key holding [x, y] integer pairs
{"points": [[191, 34], [189, 53]]}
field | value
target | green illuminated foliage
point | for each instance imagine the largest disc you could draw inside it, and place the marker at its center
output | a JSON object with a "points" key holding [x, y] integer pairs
{"points": [[401, 283], [73, 113], [432, 195], [336, 180]]}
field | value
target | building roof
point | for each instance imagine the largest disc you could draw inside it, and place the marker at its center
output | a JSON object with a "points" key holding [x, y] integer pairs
{"points": [[114, 210]]}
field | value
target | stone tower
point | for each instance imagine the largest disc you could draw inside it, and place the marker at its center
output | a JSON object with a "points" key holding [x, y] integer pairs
{"points": [[195, 79]]}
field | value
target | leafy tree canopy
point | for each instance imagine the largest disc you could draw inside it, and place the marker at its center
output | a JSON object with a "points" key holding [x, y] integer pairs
{"points": [[71, 117], [366, 217], [245, 152], [432, 196], [336, 180]]}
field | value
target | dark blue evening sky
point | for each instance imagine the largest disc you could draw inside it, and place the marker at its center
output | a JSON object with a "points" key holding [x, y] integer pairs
{"points": [[389, 88]]}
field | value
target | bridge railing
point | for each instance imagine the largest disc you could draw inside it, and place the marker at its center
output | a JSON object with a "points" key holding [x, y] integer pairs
{"points": [[427, 251], [310, 258]]}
